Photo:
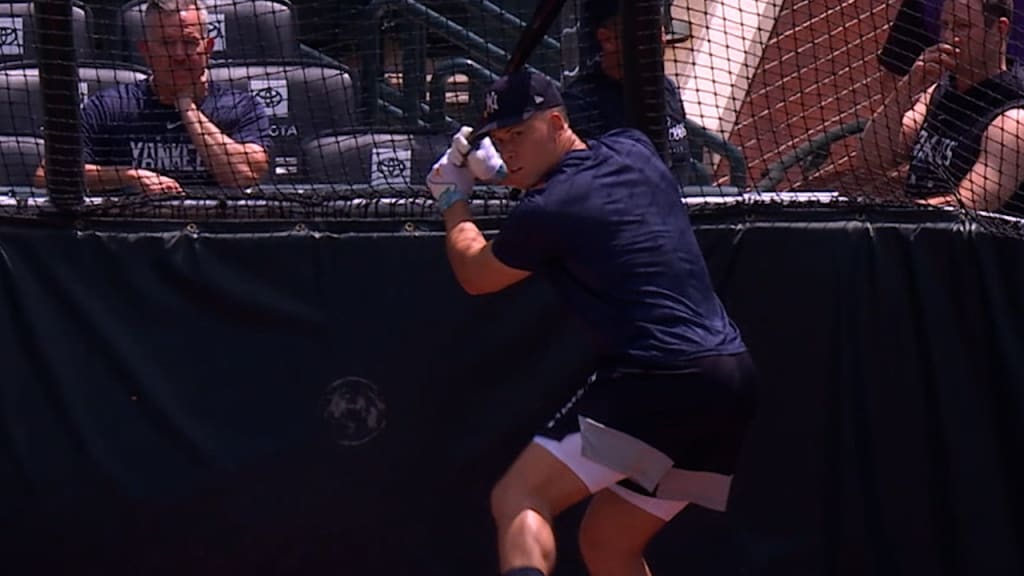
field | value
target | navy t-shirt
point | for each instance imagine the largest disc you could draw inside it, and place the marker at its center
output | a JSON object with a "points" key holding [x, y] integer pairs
{"points": [[127, 125], [609, 231], [596, 105]]}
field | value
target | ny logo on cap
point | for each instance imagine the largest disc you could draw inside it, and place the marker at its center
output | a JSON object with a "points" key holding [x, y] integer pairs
{"points": [[490, 103]]}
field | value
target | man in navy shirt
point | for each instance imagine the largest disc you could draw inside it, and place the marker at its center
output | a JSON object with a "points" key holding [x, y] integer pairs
{"points": [[660, 422], [176, 127], [595, 100]]}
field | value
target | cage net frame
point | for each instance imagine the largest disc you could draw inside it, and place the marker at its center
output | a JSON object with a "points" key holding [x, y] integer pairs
{"points": [[776, 101]]}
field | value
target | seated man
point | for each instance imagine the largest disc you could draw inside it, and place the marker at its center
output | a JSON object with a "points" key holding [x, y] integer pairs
{"points": [[595, 100], [176, 127], [957, 117]]}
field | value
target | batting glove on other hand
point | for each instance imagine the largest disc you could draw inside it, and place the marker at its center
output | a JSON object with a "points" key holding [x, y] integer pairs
{"points": [[484, 161], [449, 183]]}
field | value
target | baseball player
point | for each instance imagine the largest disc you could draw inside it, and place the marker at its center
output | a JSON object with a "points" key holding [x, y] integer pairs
{"points": [[660, 422]]}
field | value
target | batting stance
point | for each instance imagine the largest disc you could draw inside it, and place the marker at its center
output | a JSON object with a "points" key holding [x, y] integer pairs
{"points": [[660, 422]]}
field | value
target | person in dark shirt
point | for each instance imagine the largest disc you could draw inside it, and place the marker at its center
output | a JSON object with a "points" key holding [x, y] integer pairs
{"points": [[595, 99], [174, 128], [660, 422], [952, 128]]}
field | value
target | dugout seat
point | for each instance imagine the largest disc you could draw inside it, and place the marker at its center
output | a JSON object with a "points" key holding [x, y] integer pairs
{"points": [[385, 161], [243, 30], [18, 37], [21, 107], [19, 158], [302, 102], [810, 157]]}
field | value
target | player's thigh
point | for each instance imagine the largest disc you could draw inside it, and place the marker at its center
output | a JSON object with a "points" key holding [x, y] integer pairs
{"points": [[539, 480], [621, 523], [551, 472]]}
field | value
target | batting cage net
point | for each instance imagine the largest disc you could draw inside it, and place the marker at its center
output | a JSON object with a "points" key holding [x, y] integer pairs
{"points": [[318, 106]]}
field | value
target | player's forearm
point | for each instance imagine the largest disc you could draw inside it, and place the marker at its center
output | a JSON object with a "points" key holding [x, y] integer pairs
{"points": [[231, 163], [464, 239], [881, 144]]}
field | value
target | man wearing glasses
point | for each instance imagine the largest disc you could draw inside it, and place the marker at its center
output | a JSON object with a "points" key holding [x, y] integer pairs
{"points": [[176, 128]]}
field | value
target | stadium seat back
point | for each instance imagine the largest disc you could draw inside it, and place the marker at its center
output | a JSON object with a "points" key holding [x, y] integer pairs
{"points": [[21, 105], [302, 102], [385, 161], [18, 32], [242, 30]]}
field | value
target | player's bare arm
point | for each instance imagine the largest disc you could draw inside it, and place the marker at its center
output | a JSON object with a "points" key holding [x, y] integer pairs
{"points": [[998, 171], [476, 268], [231, 163]]}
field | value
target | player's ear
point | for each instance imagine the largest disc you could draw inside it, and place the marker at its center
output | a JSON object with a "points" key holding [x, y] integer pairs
{"points": [[556, 121]]}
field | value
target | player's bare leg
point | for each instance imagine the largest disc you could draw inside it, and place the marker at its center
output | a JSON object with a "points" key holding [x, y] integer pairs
{"points": [[535, 489], [614, 535]]}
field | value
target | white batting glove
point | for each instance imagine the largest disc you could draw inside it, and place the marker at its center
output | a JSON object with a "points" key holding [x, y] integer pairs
{"points": [[484, 161], [449, 183], [460, 145]]}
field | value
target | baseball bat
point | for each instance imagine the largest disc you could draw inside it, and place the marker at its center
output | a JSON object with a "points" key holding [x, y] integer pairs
{"points": [[543, 16]]}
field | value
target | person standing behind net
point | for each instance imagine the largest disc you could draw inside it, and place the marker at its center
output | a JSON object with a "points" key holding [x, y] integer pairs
{"points": [[661, 421], [176, 127], [596, 102], [955, 123]]}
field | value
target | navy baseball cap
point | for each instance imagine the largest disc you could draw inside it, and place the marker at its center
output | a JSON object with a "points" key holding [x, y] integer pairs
{"points": [[515, 98]]}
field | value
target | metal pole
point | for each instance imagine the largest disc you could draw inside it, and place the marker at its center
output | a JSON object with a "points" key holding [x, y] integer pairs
{"points": [[643, 70], [58, 81]]}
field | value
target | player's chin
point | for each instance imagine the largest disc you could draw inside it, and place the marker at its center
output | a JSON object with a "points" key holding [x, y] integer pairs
{"points": [[517, 179]]}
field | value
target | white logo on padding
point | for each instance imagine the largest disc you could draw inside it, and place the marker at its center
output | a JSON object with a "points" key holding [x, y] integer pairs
{"points": [[354, 411], [390, 167], [273, 93], [11, 36], [215, 29]]}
